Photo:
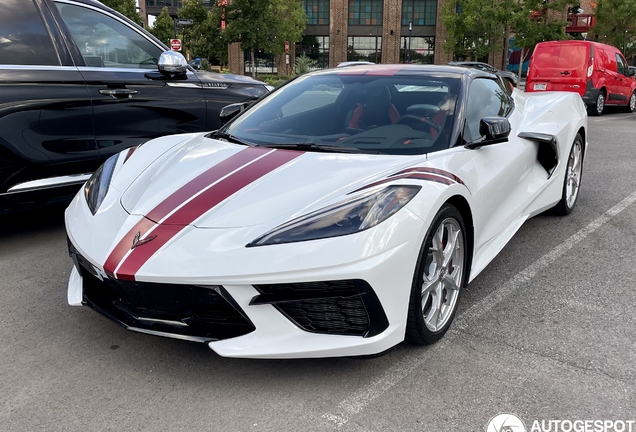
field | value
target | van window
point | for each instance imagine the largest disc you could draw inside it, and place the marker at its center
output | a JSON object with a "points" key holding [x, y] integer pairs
{"points": [[620, 65], [23, 38]]}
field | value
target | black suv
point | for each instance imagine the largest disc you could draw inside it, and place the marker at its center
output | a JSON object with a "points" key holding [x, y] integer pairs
{"points": [[80, 82]]}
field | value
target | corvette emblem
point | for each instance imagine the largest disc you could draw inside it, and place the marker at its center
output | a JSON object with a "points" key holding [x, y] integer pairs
{"points": [[137, 242]]}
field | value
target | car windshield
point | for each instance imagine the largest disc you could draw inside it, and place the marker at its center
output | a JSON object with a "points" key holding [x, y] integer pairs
{"points": [[354, 112]]}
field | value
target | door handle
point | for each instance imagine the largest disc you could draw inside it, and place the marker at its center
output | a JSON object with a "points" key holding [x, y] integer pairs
{"points": [[119, 93]]}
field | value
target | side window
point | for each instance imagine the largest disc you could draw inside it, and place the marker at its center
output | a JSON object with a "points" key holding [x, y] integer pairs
{"points": [[23, 37], [620, 65], [486, 98], [107, 42]]}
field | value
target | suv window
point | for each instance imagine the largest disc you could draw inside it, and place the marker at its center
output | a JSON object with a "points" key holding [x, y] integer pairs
{"points": [[107, 42], [486, 98], [23, 37], [620, 65]]}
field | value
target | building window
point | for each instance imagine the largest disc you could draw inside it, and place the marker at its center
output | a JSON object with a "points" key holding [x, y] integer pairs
{"points": [[317, 12], [365, 49], [419, 12], [365, 12], [422, 49], [316, 48]]}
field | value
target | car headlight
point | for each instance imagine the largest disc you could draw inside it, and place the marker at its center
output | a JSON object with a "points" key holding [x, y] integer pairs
{"points": [[343, 218], [96, 187]]}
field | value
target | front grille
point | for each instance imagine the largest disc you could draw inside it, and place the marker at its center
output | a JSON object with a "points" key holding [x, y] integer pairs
{"points": [[192, 312], [348, 307]]}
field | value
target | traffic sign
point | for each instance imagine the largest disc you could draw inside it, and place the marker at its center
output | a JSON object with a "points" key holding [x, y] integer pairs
{"points": [[185, 21], [286, 59], [287, 46], [175, 44]]}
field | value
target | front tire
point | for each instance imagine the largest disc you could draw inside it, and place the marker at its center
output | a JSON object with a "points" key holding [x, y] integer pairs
{"points": [[631, 105], [440, 274], [599, 106], [572, 181]]}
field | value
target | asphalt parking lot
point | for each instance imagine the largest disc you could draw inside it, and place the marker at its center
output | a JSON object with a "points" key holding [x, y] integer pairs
{"points": [[545, 332]]}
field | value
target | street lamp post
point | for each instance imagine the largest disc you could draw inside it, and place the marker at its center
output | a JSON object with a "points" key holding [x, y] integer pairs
{"points": [[408, 51], [624, 42]]}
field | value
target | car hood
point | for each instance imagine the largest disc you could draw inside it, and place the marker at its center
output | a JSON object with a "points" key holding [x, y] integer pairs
{"points": [[270, 184], [227, 78]]}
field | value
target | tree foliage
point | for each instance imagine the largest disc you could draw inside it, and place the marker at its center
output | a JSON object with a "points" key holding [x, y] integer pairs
{"points": [[128, 8], [476, 28], [616, 24], [265, 24], [163, 27], [204, 37]]}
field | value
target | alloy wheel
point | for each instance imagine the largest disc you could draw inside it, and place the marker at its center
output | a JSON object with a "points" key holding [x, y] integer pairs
{"points": [[443, 273], [573, 175]]}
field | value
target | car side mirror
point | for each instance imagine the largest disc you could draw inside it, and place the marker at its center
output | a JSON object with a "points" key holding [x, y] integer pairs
{"points": [[493, 130], [631, 72], [228, 112], [172, 62]]}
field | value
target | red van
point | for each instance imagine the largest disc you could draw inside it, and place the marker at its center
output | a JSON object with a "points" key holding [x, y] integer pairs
{"points": [[598, 72]]}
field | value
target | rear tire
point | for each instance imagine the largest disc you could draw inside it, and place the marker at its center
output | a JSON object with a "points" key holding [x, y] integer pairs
{"points": [[572, 180], [440, 275], [631, 105], [599, 106]]}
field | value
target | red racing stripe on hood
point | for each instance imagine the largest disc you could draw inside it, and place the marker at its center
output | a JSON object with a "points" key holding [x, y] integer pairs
{"points": [[432, 171], [200, 205], [177, 198]]}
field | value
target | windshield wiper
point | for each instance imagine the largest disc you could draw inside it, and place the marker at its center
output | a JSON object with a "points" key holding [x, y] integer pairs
{"points": [[321, 148], [231, 138]]}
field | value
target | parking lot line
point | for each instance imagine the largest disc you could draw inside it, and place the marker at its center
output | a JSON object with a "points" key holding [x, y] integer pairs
{"points": [[355, 403]]}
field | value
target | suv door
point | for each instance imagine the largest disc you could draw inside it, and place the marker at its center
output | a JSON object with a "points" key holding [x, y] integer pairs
{"points": [[132, 101], [46, 125]]}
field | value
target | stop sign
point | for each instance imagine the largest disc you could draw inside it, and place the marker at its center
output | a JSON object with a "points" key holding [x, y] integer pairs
{"points": [[175, 44]]}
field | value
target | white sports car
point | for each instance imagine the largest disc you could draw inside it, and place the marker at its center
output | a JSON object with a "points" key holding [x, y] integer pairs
{"points": [[340, 215]]}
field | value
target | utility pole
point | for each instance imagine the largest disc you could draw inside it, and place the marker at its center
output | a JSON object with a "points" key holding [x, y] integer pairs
{"points": [[408, 51]]}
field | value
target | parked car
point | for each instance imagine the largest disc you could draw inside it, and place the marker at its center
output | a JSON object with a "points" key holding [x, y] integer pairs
{"points": [[598, 72], [338, 216], [510, 78], [79, 83], [195, 63], [354, 63]]}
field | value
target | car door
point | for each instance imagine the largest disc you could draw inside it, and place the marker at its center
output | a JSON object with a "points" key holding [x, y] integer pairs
{"points": [[45, 110], [132, 102], [503, 171], [624, 84]]}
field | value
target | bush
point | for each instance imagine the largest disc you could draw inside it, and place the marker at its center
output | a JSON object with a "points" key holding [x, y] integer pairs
{"points": [[274, 80], [304, 64]]}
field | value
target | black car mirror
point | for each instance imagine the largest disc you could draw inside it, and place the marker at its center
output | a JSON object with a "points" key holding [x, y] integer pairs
{"points": [[631, 72], [172, 62], [493, 130], [228, 112]]}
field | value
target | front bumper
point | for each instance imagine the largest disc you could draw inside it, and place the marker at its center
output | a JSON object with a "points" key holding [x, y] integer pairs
{"points": [[277, 295]]}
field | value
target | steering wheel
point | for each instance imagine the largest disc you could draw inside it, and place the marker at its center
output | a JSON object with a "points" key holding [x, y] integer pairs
{"points": [[412, 120]]}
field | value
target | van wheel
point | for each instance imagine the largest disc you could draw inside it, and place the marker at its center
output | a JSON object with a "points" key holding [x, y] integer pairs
{"points": [[631, 106], [599, 106]]}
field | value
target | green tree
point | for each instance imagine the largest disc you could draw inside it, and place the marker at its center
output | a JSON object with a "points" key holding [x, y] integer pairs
{"points": [[204, 37], [265, 25], [539, 21], [476, 27], [616, 24], [128, 8], [163, 27]]}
